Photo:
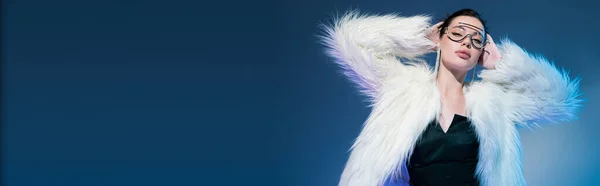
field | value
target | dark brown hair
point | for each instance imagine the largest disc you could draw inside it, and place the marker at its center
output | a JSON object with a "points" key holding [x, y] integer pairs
{"points": [[462, 12]]}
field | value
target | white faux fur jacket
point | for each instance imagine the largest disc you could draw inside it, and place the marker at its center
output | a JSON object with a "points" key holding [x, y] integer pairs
{"points": [[382, 54]]}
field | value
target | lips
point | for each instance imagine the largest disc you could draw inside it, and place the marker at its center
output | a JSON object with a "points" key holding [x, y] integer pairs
{"points": [[463, 54]]}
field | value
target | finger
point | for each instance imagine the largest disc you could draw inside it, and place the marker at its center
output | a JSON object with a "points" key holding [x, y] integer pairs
{"points": [[489, 38], [436, 27]]}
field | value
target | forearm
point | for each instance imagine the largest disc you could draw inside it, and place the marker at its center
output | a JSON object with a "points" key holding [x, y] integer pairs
{"points": [[381, 34], [367, 46], [536, 90]]}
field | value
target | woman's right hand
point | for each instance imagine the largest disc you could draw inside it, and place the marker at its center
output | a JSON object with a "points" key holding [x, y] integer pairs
{"points": [[434, 34]]}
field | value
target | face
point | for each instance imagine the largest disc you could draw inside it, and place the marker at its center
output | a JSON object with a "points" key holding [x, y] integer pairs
{"points": [[462, 44]]}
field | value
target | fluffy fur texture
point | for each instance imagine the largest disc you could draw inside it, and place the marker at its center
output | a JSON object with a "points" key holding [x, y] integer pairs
{"points": [[382, 54]]}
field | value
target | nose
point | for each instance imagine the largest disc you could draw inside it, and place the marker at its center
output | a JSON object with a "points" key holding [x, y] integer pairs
{"points": [[467, 42]]}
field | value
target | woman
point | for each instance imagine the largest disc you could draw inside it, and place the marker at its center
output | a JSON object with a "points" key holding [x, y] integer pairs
{"points": [[429, 126]]}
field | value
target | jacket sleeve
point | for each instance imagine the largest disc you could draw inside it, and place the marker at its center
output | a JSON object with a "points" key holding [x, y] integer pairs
{"points": [[368, 48], [536, 91]]}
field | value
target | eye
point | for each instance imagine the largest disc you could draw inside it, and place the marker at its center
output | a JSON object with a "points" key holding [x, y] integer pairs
{"points": [[456, 34], [477, 41]]}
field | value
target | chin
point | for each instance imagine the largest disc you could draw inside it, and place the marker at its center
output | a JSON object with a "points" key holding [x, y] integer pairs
{"points": [[460, 64]]}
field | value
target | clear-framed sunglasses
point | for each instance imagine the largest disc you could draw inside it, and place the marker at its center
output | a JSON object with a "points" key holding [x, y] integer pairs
{"points": [[459, 33]]}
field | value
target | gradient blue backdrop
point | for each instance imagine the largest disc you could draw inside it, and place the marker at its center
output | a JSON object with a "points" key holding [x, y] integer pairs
{"points": [[146, 92]]}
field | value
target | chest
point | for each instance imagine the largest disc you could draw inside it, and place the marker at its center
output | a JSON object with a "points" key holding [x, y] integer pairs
{"points": [[458, 144], [401, 117], [445, 158], [450, 107]]}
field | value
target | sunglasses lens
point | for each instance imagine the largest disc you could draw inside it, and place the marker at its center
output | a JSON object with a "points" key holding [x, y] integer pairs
{"points": [[458, 34]]}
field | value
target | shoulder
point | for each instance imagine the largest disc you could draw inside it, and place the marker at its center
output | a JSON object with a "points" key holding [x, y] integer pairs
{"points": [[416, 74], [480, 91], [486, 99], [415, 86]]}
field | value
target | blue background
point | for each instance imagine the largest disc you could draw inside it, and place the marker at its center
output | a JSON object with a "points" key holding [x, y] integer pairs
{"points": [[153, 92]]}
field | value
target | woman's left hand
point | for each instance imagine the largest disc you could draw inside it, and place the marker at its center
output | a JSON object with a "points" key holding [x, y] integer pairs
{"points": [[490, 56]]}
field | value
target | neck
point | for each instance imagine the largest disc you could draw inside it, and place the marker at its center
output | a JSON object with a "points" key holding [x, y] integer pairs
{"points": [[449, 83]]}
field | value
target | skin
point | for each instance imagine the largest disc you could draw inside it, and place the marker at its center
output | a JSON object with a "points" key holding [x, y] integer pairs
{"points": [[454, 69]]}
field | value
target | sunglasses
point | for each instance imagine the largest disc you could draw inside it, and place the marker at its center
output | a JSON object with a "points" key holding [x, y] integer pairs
{"points": [[459, 33]]}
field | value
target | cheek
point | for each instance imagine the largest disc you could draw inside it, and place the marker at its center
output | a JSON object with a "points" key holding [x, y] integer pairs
{"points": [[446, 44], [475, 57], [477, 54]]}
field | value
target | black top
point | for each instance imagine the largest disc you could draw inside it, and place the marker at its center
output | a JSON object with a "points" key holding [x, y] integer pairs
{"points": [[445, 158]]}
